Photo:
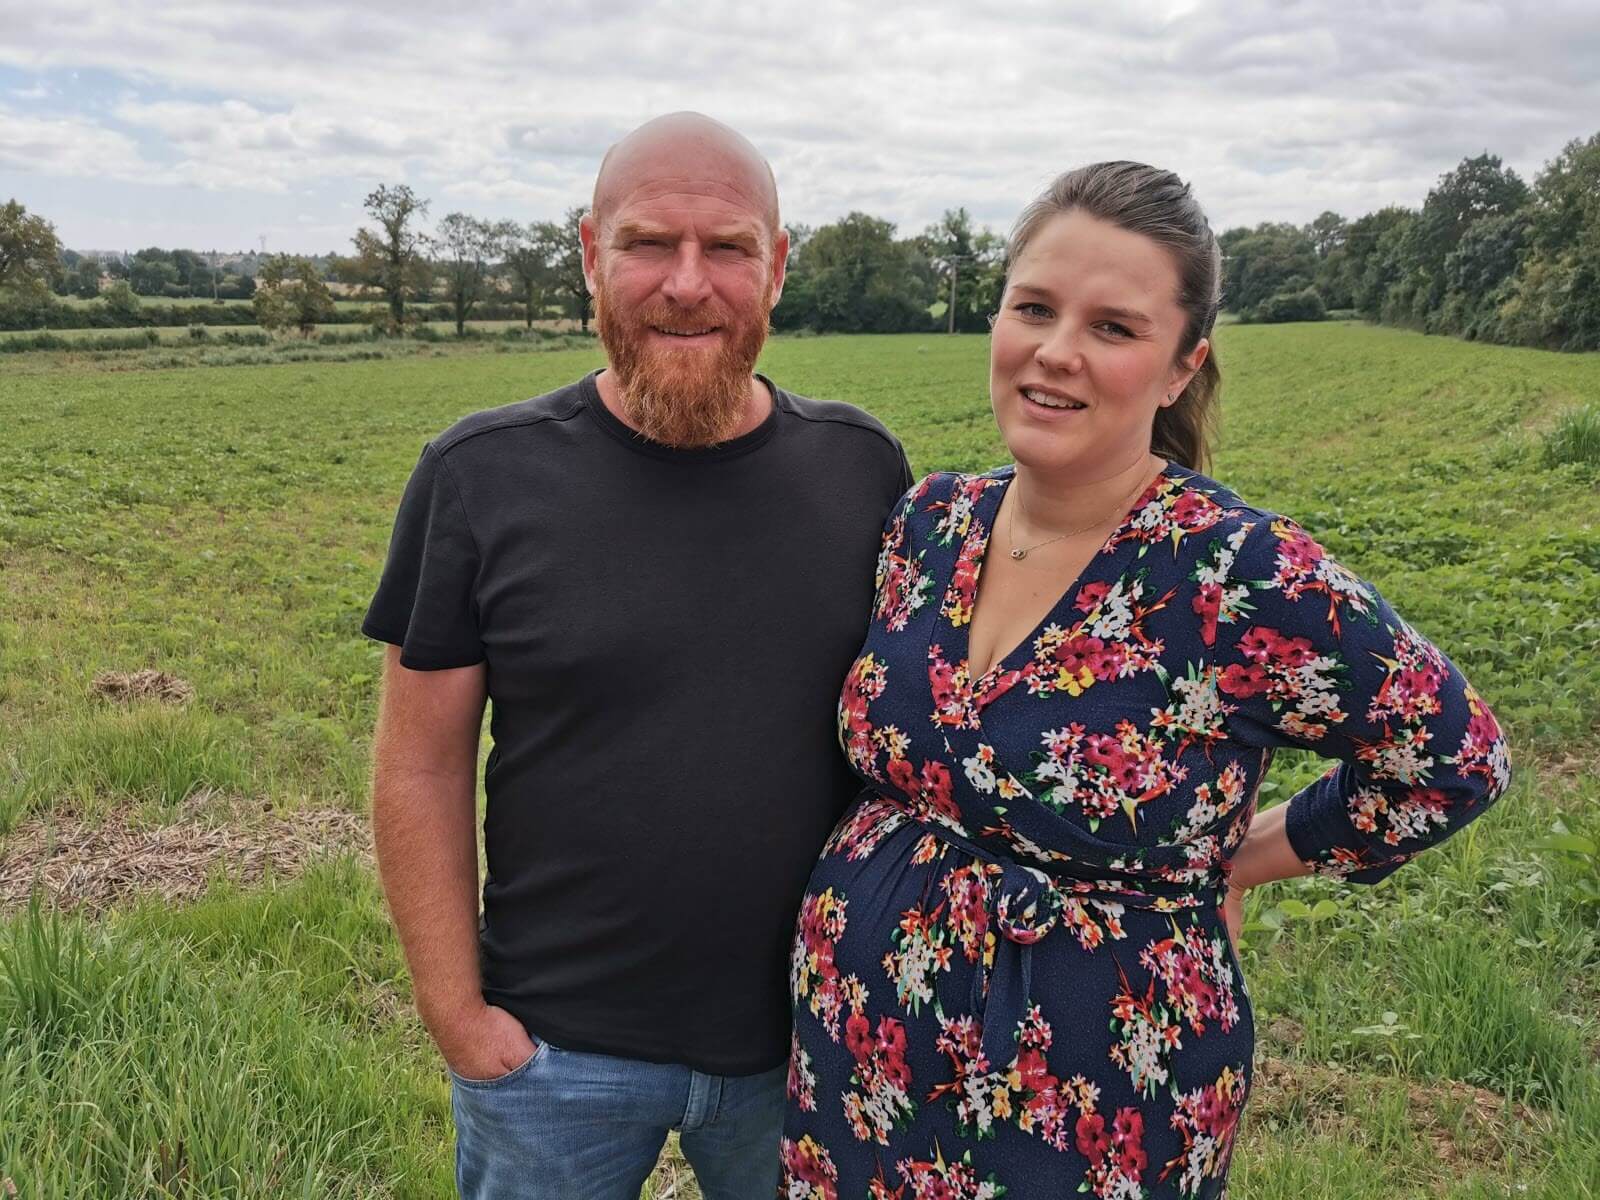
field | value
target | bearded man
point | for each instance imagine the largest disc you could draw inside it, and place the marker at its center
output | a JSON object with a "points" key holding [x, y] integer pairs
{"points": [[659, 575]]}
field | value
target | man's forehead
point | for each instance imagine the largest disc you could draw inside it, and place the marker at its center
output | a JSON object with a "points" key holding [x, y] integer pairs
{"points": [[690, 155], [680, 197]]}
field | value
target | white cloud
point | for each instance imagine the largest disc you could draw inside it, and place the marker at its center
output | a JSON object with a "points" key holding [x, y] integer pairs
{"points": [[66, 146], [1273, 110]]}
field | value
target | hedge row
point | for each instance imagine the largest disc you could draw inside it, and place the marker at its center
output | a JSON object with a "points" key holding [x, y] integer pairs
{"points": [[98, 315]]}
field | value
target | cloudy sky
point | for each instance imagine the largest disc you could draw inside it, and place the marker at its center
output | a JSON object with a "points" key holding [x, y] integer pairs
{"points": [[204, 124]]}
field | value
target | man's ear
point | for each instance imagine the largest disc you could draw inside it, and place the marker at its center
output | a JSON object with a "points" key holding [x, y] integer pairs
{"points": [[589, 235], [780, 262]]}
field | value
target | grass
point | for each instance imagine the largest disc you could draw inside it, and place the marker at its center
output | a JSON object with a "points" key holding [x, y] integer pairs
{"points": [[227, 526], [225, 1050], [1575, 438]]}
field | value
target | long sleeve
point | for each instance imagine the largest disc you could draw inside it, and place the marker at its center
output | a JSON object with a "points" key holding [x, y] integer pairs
{"points": [[1310, 656]]}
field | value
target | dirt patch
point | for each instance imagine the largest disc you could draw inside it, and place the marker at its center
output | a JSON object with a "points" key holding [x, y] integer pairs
{"points": [[1463, 1123], [141, 685], [1570, 770], [93, 867], [1281, 1033]]}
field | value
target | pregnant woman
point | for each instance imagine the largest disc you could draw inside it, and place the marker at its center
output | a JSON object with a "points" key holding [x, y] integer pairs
{"points": [[1015, 972]]}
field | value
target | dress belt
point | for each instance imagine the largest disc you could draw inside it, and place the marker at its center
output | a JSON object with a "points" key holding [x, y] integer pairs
{"points": [[1024, 906]]}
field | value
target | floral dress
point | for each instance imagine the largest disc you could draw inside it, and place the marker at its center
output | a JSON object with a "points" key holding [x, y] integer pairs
{"points": [[1011, 975]]}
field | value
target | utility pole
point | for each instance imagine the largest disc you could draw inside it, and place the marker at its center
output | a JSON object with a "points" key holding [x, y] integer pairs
{"points": [[955, 261], [954, 268]]}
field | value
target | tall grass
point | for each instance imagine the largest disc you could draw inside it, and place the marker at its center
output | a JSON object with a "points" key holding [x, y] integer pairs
{"points": [[141, 1059], [146, 757], [1575, 438], [21, 343]]}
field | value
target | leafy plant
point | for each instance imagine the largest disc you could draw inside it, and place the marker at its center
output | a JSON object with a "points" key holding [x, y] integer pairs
{"points": [[1580, 850]]}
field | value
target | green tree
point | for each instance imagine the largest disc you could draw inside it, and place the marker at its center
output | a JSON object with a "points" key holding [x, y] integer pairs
{"points": [[970, 266], [530, 253], [1362, 259], [1554, 300], [66, 267], [1304, 305], [1397, 284], [394, 257], [1263, 262], [151, 272], [122, 302], [1477, 188], [30, 252], [861, 279], [566, 263], [291, 293], [236, 287], [1478, 272], [1567, 196], [193, 273], [85, 279], [793, 310], [1327, 233], [469, 247]]}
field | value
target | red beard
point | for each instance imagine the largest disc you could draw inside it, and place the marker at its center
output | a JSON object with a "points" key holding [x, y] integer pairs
{"points": [[694, 396]]}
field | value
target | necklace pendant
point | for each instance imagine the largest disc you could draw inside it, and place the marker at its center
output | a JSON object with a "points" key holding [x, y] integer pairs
{"points": [[1019, 554]]}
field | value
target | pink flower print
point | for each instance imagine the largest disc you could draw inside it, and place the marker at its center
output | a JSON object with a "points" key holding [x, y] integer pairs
{"points": [[1090, 595]]}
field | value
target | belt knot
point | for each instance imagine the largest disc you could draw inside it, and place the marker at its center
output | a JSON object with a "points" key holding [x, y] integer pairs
{"points": [[1027, 905]]}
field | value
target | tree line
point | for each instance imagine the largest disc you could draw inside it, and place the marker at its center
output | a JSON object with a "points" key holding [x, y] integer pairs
{"points": [[1486, 256], [465, 267], [851, 276], [854, 275]]}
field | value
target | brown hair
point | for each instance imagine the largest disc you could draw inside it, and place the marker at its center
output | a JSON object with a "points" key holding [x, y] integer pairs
{"points": [[1156, 203]]}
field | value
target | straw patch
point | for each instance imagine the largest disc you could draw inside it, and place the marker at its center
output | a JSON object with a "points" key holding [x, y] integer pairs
{"points": [[93, 867], [141, 685], [1461, 1122]]}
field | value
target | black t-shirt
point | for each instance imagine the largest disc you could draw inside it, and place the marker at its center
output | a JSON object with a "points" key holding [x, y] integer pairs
{"points": [[666, 632]]}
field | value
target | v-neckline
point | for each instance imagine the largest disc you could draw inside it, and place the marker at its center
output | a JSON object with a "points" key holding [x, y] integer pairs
{"points": [[986, 513]]}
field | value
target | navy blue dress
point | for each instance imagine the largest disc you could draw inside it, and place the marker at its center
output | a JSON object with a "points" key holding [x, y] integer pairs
{"points": [[1011, 975]]}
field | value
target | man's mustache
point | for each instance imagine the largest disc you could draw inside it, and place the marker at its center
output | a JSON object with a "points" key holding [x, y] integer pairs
{"points": [[667, 316]]}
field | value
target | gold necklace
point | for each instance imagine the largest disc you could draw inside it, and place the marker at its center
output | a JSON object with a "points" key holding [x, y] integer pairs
{"points": [[1021, 552]]}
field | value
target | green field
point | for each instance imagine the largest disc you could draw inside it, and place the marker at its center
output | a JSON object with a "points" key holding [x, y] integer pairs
{"points": [[1438, 1035]]}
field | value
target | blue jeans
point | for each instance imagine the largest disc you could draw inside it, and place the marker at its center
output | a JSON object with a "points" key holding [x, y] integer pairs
{"points": [[567, 1125]]}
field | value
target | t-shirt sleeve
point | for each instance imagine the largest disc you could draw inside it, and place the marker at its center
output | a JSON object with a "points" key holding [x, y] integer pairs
{"points": [[1308, 655], [426, 601], [906, 477]]}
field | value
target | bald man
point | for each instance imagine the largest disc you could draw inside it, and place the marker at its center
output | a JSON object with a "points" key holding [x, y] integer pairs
{"points": [[659, 574]]}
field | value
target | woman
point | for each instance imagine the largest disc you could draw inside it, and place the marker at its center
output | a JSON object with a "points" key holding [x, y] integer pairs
{"points": [[1014, 971]]}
